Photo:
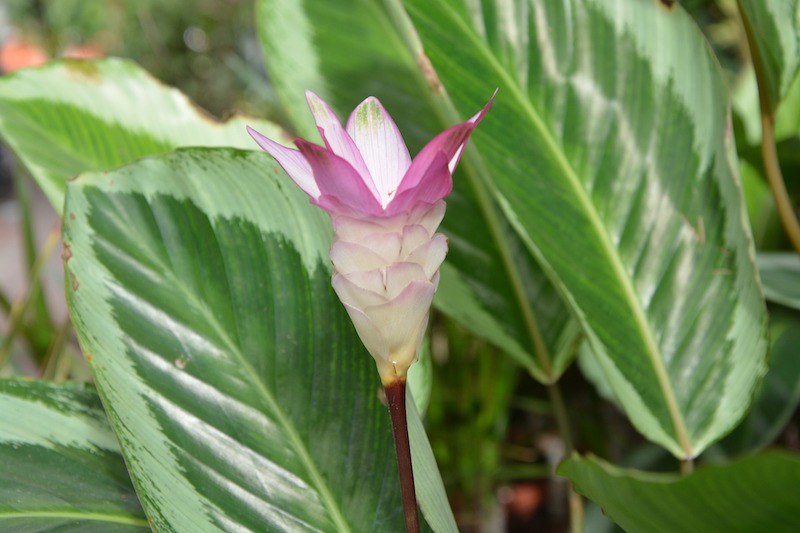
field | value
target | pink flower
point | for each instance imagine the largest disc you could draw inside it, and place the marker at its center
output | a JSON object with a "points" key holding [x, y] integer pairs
{"points": [[385, 209]]}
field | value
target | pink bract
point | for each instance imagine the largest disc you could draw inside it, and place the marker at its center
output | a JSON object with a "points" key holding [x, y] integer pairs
{"points": [[364, 168]]}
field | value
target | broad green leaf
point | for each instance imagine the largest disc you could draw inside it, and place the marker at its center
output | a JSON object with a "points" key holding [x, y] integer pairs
{"points": [[71, 116], [490, 282], [610, 150], [60, 465], [758, 493], [780, 274], [199, 284], [774, 28]]}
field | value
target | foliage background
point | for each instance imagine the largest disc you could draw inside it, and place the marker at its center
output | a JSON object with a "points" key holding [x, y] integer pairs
{"points": [[495, 438]]}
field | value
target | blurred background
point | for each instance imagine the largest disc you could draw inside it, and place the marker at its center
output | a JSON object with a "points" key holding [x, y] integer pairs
{"points": [[495, 440]]}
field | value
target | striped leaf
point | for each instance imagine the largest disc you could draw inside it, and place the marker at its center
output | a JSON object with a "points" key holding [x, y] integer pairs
{"points": [[199, 284], [70, 116], [610, 149], [60, 466]]}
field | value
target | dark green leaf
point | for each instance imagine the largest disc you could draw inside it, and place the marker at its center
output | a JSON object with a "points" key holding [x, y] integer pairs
{"points": [[758, 493]]}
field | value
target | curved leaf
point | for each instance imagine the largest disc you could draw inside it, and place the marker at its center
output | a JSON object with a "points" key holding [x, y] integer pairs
{"points": [[610, 149], [70, 116], [758, 493], [60, 466], [199, 284], [490, 282]]}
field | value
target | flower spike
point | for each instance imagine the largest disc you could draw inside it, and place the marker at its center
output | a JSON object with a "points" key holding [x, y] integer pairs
{"points": [[385, 209]]}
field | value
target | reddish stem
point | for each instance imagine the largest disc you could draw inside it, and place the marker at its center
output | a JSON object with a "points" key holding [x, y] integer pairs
{"points": [[396, 396]]}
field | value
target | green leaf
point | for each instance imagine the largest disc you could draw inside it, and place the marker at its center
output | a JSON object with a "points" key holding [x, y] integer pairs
{"points": [[71, 116], [490, 282], [60, 466], [774, 28], [427, 481], [610, 150], [778, 396], [780, 275], [758, 493], [199, 284]]}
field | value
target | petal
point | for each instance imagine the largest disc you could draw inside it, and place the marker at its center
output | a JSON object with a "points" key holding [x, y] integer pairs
{"points": [[353, 229], [371, 281], [381, 145], [392, 332], [435, 184], [413, 237], [430, 255], [336, 138], [335, 177], [400, 275], [354, 293], [385, 244], [450, 142], [350, 257], [292, 162], [428, 216]]}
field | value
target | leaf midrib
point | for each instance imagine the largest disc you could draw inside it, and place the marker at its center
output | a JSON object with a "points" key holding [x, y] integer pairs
{"points": [[303, 454], [74, 515], [618, 268]]}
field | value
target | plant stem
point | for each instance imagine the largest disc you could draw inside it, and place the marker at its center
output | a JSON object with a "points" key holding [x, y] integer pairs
{"points": [[396, 396], [16, 317], [562, 420], [775, 178], [687, 466]]}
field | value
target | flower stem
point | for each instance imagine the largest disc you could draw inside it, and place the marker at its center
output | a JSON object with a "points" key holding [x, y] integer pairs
{"points": [[396, 396]]}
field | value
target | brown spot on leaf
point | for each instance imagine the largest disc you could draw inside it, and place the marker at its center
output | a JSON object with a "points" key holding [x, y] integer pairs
{"points": [[430, 73], [66, 254], [669, 4], [89, 358], [72, 216], [181, 361], [74, 280]]}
